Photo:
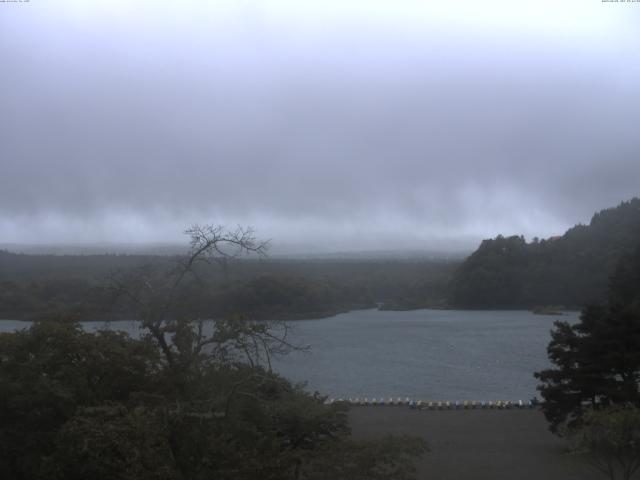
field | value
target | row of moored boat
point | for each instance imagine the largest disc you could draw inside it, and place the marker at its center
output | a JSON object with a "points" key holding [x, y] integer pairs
{"points": [[437, 405]]}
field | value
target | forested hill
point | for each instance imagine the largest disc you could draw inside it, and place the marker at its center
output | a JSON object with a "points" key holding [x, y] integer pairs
{"points": [[571, 270], [40, 286]]}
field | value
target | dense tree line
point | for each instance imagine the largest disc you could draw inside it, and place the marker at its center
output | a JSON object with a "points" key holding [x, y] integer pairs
{"points": [[182, 402], [508, 272], [32, 286], [505, 272], [75, 405]]}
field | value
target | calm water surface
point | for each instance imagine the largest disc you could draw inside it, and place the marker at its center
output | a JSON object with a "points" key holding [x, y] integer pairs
{"points": [[429, 354]]}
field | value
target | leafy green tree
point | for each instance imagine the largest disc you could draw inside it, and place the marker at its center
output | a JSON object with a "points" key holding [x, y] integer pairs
{"points": [[597, 361], [102, 405], [187, 400], [609, 440], [51, 370]]}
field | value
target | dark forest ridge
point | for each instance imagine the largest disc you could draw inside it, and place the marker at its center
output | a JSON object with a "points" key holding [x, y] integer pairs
{"points": [[36, 285], [569, 270], [505, 272], [107, 248], [276, 251]]}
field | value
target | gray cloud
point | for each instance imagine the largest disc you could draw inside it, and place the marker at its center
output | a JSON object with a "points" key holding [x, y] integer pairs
{"points": [[360, 136]]}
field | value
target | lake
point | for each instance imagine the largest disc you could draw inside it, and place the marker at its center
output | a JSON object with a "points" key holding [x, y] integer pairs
{"points": [[427, 354]]}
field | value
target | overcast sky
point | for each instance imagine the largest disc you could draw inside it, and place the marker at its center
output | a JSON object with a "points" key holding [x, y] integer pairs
{"points": [[372, 124]]}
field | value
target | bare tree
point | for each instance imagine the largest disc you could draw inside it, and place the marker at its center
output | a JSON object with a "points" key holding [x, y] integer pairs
{"points": [[184, 339]]}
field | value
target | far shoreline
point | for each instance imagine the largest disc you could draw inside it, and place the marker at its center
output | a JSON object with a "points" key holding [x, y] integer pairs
{"points": [[310, 316]]}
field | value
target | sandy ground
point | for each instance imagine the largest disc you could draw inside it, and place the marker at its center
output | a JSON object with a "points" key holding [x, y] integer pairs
{"points": [[477, 444]]}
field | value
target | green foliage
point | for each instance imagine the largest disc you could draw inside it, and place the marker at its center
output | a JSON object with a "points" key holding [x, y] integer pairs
{"points": [[76, 405], [597, 361], [33, 287], [508, 272], [180, 402], [113, 441], [48, 372], [609, 439]]}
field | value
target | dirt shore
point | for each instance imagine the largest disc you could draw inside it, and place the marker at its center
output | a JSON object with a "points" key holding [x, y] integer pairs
{"points": [[477, 444]]}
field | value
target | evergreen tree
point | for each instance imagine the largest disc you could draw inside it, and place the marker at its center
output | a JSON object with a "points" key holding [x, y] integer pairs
{"points": [[597, 361], [571, 270]]}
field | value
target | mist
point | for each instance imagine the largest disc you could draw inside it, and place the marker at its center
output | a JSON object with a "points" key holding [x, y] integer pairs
{"points": [[332, 126]]}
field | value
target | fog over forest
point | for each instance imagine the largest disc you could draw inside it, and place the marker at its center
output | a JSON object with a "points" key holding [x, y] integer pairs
{"points": [[319, 239], [325, 125]]}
